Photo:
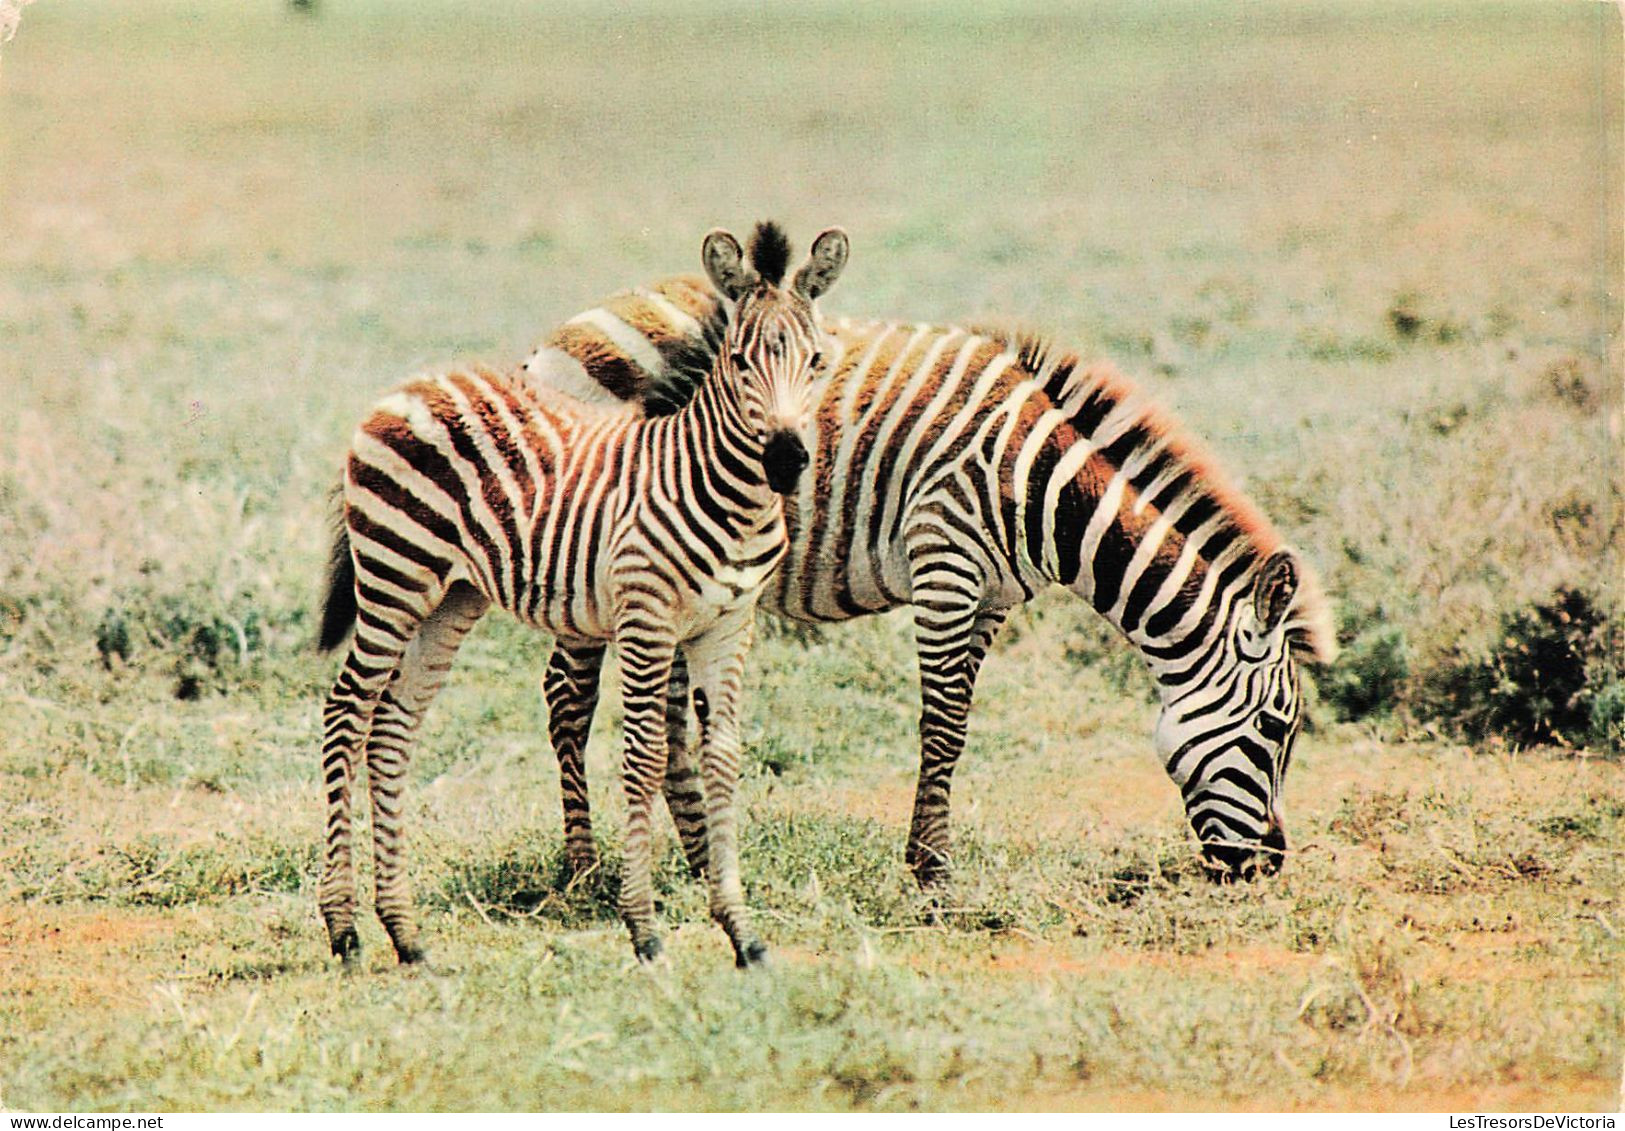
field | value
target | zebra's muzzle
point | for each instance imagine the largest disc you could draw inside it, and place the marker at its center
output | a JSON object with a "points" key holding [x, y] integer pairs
{"points": [[784, 458], [1229, 862]]}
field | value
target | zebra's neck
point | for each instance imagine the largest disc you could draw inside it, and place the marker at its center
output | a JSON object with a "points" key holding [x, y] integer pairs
{"points": [[1122, 510], [712, 425]]}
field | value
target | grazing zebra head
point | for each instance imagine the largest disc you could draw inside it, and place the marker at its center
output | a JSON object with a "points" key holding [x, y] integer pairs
{"points": [[1231, 712], [774, 339]]}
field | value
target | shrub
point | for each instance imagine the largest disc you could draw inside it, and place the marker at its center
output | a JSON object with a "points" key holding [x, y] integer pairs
{"points": [[1608, 716], [1405, 315], [1552, 677], [205, 641], [1368, 674], [1409, 322], [1568, 381]]}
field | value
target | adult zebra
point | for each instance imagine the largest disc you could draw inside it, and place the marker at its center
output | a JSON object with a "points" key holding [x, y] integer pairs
{"points": [[472, 489], [959, 473]]}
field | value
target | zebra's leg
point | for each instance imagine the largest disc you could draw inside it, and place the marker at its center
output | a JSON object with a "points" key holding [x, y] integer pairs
{"points": [[646, 657], [417, 680], [685, 793], [347, 720], [717, 667], [952, 634], [571, 690]]}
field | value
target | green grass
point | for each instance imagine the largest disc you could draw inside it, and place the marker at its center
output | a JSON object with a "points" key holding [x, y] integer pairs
{"points": [[1364, 251]]}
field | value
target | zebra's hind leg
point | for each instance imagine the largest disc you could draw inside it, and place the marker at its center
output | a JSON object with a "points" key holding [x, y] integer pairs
{"points": [[952, 635], [417, 680], [717, 666], [570, 687], [685, 793], [347, 720]]}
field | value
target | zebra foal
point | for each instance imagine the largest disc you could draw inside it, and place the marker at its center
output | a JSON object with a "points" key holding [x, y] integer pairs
{"points": [[472, 489]]}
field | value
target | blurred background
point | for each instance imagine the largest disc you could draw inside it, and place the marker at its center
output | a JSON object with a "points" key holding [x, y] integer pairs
{"points": [[1369, 253], [1366, 251]]}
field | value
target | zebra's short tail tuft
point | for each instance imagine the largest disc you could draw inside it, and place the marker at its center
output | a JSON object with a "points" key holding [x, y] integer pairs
{"points": [[338, 614]]}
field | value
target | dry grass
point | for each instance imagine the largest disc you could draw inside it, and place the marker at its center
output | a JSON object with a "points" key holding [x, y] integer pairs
{"points": [[1364, 251]]}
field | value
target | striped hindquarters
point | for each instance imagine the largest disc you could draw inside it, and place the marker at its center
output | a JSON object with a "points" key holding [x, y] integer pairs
{"points": [[650, 346]]}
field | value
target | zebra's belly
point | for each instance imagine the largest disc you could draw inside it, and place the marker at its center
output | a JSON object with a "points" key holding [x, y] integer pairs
{"points": [[564, 601], [836, 581], [734, 581], [579, 614]]}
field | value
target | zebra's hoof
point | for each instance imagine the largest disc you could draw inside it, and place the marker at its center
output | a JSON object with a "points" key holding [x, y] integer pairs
{"points": [[578, 866], [647, 949], [411, 954], [930, 871], [347, 947], [753, 953]]}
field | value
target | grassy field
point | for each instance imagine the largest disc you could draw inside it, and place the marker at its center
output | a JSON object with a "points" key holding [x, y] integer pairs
{"points": [[1369, 253]]}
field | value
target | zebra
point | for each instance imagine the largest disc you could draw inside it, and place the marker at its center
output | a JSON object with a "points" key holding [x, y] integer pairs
{"points": [[471, 489], [959, 473]]}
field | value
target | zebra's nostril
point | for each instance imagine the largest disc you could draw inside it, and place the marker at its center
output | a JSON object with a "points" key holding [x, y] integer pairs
{"points": [[784, 457], [1228, 861], [1273, 852]]}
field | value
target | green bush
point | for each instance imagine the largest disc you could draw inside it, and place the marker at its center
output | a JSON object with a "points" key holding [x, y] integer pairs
{"points": [[1608, 716], [1552, 677], [1369, 674], [205, 641]]}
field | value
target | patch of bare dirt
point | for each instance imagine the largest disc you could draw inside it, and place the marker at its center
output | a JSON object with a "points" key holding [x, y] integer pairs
{"points": [[71, 957]]}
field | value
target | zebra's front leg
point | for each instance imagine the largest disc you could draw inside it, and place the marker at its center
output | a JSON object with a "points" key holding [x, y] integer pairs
{"points": [[570, 688], [717, 668], [646, 659], [685, 789], [952, 635]]}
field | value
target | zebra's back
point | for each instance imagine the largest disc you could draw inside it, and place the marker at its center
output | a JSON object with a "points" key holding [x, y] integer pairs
{"points": [[649, 347], [465, 476], [904, 425], [904, 409]]}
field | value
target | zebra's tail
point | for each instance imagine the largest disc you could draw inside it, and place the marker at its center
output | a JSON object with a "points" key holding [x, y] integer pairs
{"points": [[338, 614]]}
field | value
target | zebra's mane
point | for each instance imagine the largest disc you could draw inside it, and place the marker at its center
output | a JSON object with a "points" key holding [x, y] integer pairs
{"points": [[1031, 347], [770, 252], [1091, 392]]}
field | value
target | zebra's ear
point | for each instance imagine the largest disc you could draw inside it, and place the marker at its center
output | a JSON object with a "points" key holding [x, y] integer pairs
{"points": [[725, 264], [823, 264], [1275, 589]]}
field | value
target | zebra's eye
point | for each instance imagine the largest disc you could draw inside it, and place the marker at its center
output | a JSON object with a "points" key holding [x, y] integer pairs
{"points": [[818, 360], [738, 360], [1272, 727]]}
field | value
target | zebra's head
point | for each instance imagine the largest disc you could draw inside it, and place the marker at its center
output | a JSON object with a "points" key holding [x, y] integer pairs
{"points": [[1227, 727], [774, 348]]}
